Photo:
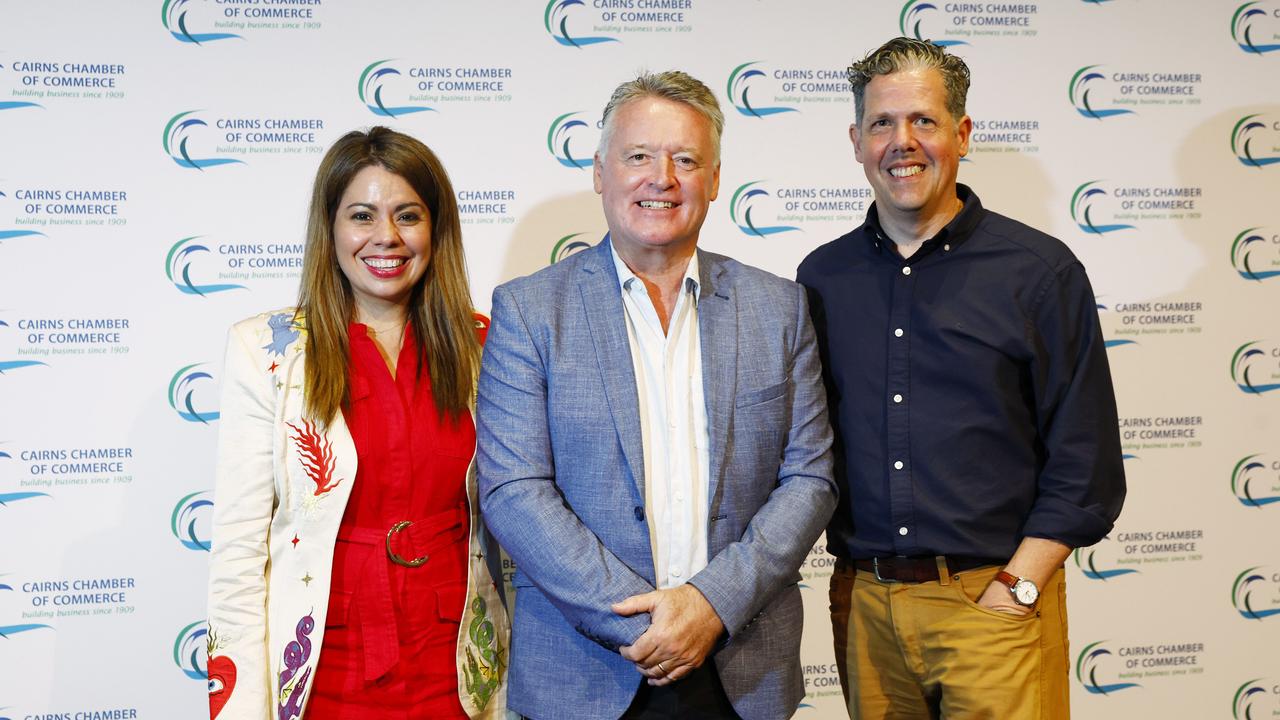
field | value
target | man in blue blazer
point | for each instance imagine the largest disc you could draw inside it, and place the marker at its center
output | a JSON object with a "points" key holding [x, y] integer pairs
{"points": [[654, 451]]}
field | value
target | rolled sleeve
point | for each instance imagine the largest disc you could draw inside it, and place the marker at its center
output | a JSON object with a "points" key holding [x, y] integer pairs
{"points": [[1081, 487]]}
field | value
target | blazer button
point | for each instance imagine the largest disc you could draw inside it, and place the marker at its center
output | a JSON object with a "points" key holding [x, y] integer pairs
{"points": [[639, 511]]}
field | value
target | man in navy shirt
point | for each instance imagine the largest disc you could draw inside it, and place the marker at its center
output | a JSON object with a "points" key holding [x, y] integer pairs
{"points": [[976, 431]]}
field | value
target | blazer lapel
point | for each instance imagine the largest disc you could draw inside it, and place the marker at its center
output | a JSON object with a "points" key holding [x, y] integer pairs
{"points": [[337, 441], [607, 323], [718, 331]]}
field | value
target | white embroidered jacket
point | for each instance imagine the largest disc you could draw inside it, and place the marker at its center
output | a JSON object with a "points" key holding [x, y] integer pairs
{"points": [[282, 484]]}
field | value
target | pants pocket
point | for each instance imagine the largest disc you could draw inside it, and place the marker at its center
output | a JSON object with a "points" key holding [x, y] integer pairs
{"points": [[969, 587]]}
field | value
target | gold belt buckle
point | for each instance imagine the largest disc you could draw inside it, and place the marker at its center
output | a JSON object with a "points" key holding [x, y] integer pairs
{"points": [[416, 562]]}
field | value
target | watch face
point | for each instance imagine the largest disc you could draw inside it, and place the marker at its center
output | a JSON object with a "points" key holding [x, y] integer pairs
{"points": [[1025, 592]]}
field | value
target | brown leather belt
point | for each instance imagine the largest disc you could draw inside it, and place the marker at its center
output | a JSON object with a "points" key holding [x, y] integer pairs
{"points": [[919, 569]]}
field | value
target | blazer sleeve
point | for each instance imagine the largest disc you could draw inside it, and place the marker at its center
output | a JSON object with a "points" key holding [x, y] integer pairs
{"points": [[746, 575], [518, 495], [244, 500]]}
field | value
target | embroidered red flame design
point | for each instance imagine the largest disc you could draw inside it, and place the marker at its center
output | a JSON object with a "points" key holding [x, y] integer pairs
{"points": [[317, 456]]}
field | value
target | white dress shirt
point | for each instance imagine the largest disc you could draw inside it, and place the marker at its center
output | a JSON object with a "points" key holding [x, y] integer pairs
{"points": [[673, 424]]}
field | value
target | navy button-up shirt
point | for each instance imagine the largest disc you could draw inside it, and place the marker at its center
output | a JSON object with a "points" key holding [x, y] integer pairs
{"points": [[969, 391]]}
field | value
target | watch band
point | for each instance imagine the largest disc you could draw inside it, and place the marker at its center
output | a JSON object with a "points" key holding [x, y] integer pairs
{"points": [[1018, 587], [1006, 580]]}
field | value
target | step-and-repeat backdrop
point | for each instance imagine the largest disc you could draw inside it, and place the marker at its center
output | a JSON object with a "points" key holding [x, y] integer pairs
{"points": [[155, 162]]}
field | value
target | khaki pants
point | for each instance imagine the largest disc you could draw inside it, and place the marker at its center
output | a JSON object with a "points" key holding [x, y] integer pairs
{"points": [[928, 650]]}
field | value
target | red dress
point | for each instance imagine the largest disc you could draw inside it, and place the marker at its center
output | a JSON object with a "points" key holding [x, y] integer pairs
{"points": [[390, 640]]}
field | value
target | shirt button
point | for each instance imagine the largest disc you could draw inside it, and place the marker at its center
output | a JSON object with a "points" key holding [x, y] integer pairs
{"points": [[897, 398], [675, 571], [897, 465], [679, 496], [902, 531], [906, 270], [897, 332], [947, 247]]}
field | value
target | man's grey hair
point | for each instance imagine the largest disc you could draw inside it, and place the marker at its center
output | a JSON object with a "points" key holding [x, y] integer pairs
{"points": [[908, 54], [672, 85]]}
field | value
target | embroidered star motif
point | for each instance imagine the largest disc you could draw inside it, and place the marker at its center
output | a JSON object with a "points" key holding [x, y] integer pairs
{"points": [[279, 384], [295, 540], [273, 367], [306, 579]]}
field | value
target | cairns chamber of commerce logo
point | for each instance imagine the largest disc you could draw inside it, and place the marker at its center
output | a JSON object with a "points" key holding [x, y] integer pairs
{"points": [[182, 394], [1267, 476], [1251, 24], [1250, 361], [178, 133], [9, 365], [7, 234], [1093, 567], [177, 267], [556, 18], [190, 650], [1112, 342], [561, 135], [10, 497], [174, 15], [1253, 588], [1252, 251], [373, 81], [1083, 201], [6, 365], [911, 22], [1254, 695], [1250, 128], [1091, 671], [1079, 91], [743, 202], [17, 104], [191, 520], [571, 245], [739, 87]]}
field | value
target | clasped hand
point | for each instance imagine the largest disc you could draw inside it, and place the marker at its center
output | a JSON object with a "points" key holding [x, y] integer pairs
{"points": [[683, 627]]}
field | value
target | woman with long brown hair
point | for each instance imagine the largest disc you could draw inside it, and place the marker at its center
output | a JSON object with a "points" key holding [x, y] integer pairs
{"points": [[348, 573]]}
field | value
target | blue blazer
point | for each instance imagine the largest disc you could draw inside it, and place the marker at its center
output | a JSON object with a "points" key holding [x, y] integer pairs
{"points": [[561, 478]]}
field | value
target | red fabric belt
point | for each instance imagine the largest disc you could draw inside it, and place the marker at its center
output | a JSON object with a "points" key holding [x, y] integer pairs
{"points": [[373, 599]]}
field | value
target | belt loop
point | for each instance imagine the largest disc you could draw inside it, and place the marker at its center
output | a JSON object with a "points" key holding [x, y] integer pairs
{"points": [[944, 575]]}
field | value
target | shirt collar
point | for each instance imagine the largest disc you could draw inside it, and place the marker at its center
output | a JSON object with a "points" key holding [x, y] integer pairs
{"points": [[625, 276], [954, 233]]}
